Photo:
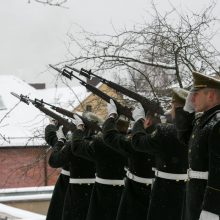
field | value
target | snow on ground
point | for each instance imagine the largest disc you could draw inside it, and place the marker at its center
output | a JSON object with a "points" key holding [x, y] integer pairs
{"points": [[11, 213]]}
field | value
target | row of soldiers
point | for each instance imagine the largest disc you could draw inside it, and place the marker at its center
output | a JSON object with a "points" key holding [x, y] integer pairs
{"points": [[157, 170]]}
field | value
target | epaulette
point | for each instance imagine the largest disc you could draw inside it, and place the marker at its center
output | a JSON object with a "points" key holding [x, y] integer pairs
{"points": [[215, 116]]}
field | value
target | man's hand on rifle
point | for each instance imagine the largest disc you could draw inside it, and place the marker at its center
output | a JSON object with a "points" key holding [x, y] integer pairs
{"points": [[60, 135], [78, 122], [138, 112], [112, 109], [53, 121]]}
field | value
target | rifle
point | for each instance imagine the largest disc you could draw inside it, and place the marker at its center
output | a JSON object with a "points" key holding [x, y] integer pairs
{"points": [[88, 124], [148, 105], [122, 110], [62, 121]]}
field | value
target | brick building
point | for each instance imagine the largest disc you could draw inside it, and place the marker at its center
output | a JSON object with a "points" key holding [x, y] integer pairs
{"points": [[25, 167]]}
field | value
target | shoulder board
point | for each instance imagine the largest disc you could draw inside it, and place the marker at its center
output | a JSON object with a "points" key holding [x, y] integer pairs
{"points": [[215, 116]]}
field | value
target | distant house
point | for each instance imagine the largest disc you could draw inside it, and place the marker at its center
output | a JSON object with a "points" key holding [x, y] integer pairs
{"points": [[93, 103]]}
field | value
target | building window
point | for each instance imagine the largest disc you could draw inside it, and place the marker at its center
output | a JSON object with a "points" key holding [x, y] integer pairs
{"points": [[88, 108], [2, 105]]}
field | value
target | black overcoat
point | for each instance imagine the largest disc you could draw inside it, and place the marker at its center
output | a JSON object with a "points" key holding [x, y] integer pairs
{"points": [[136, 196], [55, 209], [77, 195], [167, 196], [109, 165], [203, 155]]}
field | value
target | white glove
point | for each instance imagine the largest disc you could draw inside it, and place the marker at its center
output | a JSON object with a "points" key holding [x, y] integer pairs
{"points": [[205, 215], [111, 107], [60, 134], [189, 107], [77, 121], [52, 121], [163, 119], [138, 112]]}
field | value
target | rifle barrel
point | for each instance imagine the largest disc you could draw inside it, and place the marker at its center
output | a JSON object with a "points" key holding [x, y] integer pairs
{"points": [[55, 68], [16, 95], [74, 69], [21, 97]]}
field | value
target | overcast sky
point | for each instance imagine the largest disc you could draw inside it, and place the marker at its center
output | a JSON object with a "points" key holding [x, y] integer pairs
{"points": [[34, 35]]}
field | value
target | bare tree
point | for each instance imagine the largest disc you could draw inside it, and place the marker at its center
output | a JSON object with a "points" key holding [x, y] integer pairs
{"points": [[156, 54], [57, 3]]}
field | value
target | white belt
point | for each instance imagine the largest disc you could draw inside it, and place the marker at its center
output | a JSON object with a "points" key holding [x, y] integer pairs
{"points": [[171, 176], [65, 172], [109, 182], [139, 179], [82, 181], [197, 174]]}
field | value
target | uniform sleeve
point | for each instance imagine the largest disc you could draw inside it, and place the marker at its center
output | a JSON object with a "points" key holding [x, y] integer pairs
{"points": [[116, 141], [83, 147], [149, 143], [50, 135], [211, 201], [184, 125], [60, 154]]}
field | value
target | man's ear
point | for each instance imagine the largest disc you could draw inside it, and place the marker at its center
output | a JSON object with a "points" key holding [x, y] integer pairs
{"points": [[150, 121], [147, 122], [211, 95]]}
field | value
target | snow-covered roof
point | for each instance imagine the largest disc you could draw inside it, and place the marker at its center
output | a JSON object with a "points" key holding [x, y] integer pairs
{"points": [[22, 125]]}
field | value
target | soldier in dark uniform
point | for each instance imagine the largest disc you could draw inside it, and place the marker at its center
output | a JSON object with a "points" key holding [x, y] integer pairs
{"points": [[136, 194], [55, 209], [82, 174], [110, 172], [203, 187], [167, 195]]}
